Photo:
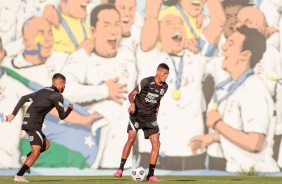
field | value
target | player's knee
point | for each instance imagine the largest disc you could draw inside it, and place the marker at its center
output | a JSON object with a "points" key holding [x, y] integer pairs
{"points": [[156, 144], [35, 154], [131, 140]]}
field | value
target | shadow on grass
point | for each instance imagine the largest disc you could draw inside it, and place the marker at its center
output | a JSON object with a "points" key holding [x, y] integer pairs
{"points": [[43, 181], [236, 179], [94, 179], [182, 180]]}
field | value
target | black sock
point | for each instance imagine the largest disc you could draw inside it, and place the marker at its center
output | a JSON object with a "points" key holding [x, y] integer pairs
{"points": [[22, 170], [151, 170], [122, 163]]}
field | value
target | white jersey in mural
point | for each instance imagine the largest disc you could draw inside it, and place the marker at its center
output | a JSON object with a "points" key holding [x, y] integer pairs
{"points": [[44, 71], [185, 112], [10, 133], [249, 109], [92, 71]]}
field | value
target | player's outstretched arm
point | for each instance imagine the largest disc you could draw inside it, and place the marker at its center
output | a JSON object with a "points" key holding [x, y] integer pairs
{"points": [[22, 101]]}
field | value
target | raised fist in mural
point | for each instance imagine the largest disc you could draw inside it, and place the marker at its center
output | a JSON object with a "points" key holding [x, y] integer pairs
{"points": [[51, 15]]}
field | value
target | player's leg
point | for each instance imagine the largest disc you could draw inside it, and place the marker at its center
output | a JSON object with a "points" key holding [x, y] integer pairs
{"points": [[132, 132], [126, 151], [153, 134], [155, 141], [46, 145], [36, 142]]}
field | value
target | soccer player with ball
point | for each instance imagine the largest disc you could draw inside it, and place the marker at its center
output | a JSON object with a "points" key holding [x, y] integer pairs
{"points": [[144, 105]]}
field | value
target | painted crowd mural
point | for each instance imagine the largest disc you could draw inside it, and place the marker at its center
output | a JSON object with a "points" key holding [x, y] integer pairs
{"points": [[223, 107]]}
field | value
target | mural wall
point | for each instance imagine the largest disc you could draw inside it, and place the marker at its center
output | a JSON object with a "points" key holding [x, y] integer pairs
{"points": [[225, 63]]}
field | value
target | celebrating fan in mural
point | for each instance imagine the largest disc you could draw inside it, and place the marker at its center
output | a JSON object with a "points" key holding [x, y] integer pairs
{"points": [[242, 109]]}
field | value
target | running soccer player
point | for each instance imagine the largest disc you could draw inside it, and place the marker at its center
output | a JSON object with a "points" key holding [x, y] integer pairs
{"points": [[43, 101], [144, 105]]}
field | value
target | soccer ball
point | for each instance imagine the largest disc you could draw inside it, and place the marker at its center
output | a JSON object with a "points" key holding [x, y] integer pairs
{"points": [[138, 174]]}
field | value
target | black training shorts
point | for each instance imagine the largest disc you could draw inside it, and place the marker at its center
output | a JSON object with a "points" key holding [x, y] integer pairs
{"points": [[148, 128], [35, 137]]}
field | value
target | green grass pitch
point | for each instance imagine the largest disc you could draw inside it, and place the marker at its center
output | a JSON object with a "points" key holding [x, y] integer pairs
{"points": [[164, 179]]}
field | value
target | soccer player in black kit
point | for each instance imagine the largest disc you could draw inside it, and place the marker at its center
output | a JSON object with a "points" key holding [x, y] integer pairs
{"points": [[144, 105], [43, 101]]}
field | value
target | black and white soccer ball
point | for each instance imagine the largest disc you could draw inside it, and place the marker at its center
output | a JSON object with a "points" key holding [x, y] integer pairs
{"points": [[138, 174]]}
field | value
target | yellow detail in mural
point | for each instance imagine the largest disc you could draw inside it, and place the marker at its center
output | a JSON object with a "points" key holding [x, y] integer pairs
{"points": [[39, 39], [176, 94], [272, 78], [63, 41], [215, 106]]}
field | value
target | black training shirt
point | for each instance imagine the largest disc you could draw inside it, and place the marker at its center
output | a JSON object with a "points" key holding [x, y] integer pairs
{"points": [[43, 101], [148, 97]]}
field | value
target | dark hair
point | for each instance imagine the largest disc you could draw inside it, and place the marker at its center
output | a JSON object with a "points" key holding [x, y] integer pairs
{"points": [[164, 66], [97, 10], [243, 3], [170, 2], [58, 76], [255, 42], [112, 1]]}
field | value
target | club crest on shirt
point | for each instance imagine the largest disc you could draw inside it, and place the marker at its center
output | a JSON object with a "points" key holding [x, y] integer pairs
{"points": [[162, 91], [155, 123], [136, 125], [31, 138]]}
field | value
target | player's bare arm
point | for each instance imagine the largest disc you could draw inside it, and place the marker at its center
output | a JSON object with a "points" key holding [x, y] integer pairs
{"points": [[157, 108], [131, 109]]}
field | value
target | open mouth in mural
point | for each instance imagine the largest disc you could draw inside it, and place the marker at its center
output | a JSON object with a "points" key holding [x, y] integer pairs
{"points": [[46, 46], [125, 21], [177, 37], [84, 5], [196, 3], [231, 28], [112, 42]]}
